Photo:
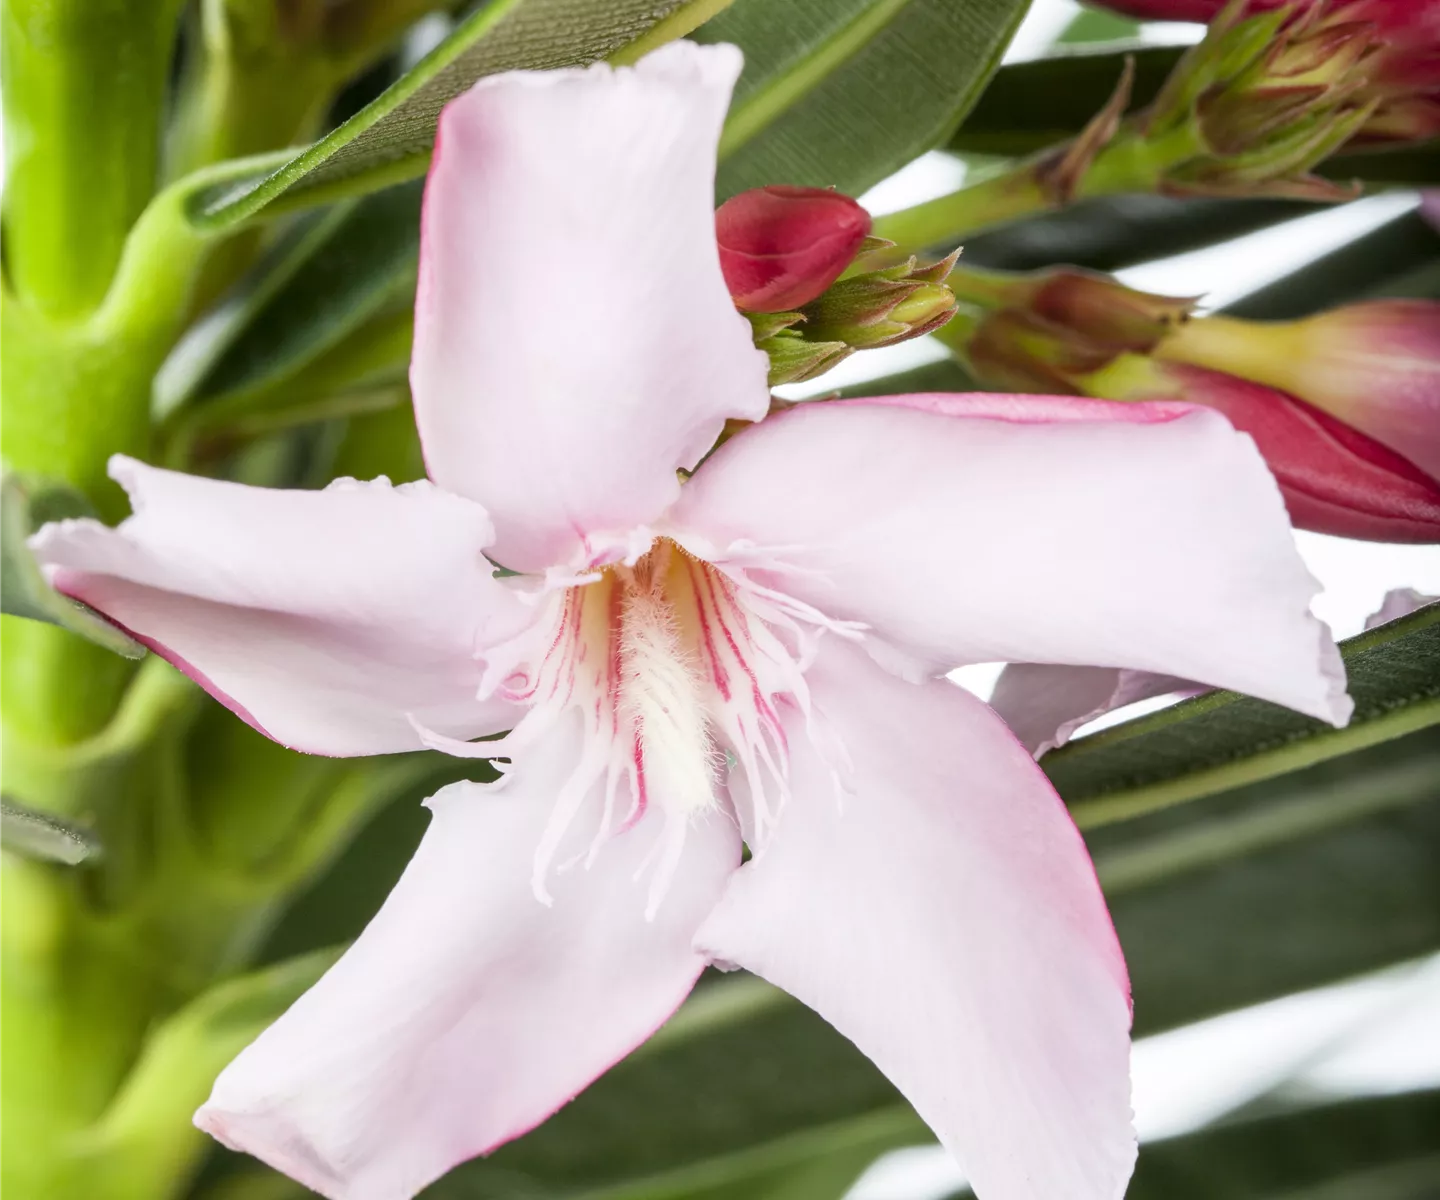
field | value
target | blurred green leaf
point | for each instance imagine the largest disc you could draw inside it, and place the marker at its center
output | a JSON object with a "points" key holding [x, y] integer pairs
{"points": [[35, 835], [1375, 1148], [1111, 232], [26, 503], [390, 139], [1291, 883], [841, 93], [145, 1136], [1398, 259], [333, 272], [742, 1083], [1371, 1148], [1019, 112], [1034, 104]]}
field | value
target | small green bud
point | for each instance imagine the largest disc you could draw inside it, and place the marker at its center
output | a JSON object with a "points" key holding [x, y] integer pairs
{"points": [[879, 307]]}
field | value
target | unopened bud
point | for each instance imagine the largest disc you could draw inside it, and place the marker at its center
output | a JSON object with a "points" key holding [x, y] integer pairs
{"points": [[781, 247], [883, 307], [1387, 52], [1041, 332], [1374, 365], [1334, 479], [1104, 311]]}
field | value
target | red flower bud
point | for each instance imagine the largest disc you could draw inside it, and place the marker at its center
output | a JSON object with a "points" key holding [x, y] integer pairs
{"points": [[1333, 478], [780, 247]]}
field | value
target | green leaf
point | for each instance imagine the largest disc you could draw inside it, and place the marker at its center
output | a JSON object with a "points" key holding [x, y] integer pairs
{"points": [[1222, 740], [26, 503], [743, 1081], [145, 1136], [1111, 232], [1018, 114], [1398, 259], [332, 273], [1370, 1148], [1375, 1148], [1021, 111], [1287, 884], [1247, 852], [35, 835], [841, 93], [390, 139]]}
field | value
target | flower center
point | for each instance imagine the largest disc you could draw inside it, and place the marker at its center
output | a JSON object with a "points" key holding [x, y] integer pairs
{"points": [[675, 672]]}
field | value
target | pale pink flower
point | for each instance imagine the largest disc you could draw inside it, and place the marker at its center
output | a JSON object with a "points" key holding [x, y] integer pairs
{"points": [[758, 651]]}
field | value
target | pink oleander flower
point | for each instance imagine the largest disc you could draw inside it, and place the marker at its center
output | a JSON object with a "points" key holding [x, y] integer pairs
{"points": [[780, 247], [1375, 365], [755, 652], [1402, 70], [1335, 479]]}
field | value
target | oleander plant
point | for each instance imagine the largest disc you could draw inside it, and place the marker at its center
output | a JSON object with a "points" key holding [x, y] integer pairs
{"points": [[473, 727]]}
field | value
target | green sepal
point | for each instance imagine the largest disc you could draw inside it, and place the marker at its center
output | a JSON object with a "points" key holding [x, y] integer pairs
{"points": [[26, 503]]}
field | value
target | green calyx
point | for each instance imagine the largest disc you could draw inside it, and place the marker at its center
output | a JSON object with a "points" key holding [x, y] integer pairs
{"points": [[1050, 330], [863, 311]]}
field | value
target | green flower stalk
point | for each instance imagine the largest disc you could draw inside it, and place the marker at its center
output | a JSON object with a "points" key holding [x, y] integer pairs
{"points": [[1249, 111]]}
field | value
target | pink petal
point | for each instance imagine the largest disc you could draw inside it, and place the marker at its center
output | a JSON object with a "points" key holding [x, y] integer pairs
{"points": [[1399, 602], [947, 920], [1045, 704], [574, 339], [1154, 540], [468, 1012], [321, 618]]}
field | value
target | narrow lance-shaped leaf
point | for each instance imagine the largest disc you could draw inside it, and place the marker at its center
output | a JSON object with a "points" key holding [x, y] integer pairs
{"points": [[841, 93], [1221, 740], [390, 139], [332, 274], [1366, 1148]]}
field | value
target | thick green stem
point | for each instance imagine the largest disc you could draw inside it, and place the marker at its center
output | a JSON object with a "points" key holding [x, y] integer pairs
{"points": [[995, 201], [84, 88], [74, 395], [1130, 163]]}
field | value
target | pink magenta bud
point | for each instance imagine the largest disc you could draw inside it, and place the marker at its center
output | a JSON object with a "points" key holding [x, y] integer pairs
{"points": [[780, 247], [1333, 478]]}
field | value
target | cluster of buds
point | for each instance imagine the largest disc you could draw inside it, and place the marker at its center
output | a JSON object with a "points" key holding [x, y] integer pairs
{"points": [[1344, 406], [816, 287], [1389, 51], [1270, 92]]}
